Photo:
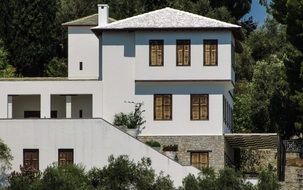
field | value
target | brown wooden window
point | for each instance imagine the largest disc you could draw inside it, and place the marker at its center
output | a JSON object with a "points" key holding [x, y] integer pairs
{"points": [[199, 159], [65, 156], [156, 52], [199, 107], [210, 52], [31, 158], [162, 107], [183, 52]]}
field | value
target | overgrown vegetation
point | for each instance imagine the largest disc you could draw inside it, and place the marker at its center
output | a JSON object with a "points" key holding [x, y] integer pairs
{"points": [[153, 143], [121, 173], [229, 179]]}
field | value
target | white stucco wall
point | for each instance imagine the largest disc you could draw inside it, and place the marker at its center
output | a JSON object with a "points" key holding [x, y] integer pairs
{"points": [[194, 72], [122, 64], [93, 141], [53, 87], [83, 46]]}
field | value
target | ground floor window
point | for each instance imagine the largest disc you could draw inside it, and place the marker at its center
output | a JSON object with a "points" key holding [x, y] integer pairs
{"points": [[65, 156], [199, 159], [31, 158]]}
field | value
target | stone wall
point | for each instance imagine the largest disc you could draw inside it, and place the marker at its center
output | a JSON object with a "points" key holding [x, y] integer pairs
{"points": [[293, 172], [214, 144]]}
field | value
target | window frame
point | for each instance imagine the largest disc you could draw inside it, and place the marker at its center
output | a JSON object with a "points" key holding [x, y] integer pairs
{"points": [[189, 51], [199, 152], [191, 106], [31, 150], [171, 107], [206, 42], [65, 150], [150, 53]]}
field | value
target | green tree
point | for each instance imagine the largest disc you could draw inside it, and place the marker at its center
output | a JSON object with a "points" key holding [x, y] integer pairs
{"points": [[28, 36], [5, 165], [122, 173], [269, 80], [227, 179], [64, 177], [268, 180], [6, 70], [57, 67]]}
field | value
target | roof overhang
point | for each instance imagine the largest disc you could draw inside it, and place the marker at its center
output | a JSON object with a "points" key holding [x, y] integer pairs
{"points": [[237, 32], [253, 140]]}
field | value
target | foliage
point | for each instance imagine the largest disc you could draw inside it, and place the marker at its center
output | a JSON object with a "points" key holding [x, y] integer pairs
{"points": [[268, 84], [57, 67], [122, 173], [171, 147], [5, 165], [64, 177], [227, 179], [26, 179], [268, 180], [6, 70], [28, 34], [153, 143], [133, 120]]}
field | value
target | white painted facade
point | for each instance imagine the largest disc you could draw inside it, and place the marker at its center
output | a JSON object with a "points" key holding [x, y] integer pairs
{"points": [[91, 139], [115, 69]]}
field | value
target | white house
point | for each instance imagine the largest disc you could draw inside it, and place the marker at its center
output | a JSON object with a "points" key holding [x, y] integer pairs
{"points": [[178, 64]]}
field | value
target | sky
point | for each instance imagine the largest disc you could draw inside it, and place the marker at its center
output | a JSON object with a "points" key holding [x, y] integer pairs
{"points": [[258, 12]]}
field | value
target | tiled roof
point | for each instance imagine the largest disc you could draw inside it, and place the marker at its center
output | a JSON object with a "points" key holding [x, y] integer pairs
{"points": [[167, 18], [91, 20]]}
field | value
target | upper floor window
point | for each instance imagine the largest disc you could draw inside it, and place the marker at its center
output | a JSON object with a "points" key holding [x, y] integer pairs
{"points": [[210, 52], [65, 156], [31, 158], [199, 159], [162, 106], [156, 52], [199, 107], [183, 52]]}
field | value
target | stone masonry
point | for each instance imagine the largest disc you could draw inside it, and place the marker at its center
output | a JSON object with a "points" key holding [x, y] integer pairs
{"points": [[187, 144]]}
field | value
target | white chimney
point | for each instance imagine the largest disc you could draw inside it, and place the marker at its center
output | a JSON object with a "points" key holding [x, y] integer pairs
{"points": [[102, 14]]}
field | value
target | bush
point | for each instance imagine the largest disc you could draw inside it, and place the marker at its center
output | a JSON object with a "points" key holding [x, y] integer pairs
{"points": [[133, 120], [64, 177], [26, 179], [153, 143], [227, 179], [170, 148], [123, 174], [268, 179]]}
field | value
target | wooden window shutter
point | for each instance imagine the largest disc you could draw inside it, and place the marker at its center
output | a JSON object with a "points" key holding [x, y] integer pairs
{"points": [[199, 159], [31, 158], [210, 52], [156, 52], [162, 107], [199, 107], [183, 52], [65, 156]]}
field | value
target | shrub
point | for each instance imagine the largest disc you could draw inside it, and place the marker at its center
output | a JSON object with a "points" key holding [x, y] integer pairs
{"points": [[133, 120], [123, 174], [26, 179], [170, 148], [64, 177], [268, 179], [227, 179], [153, 143]]}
